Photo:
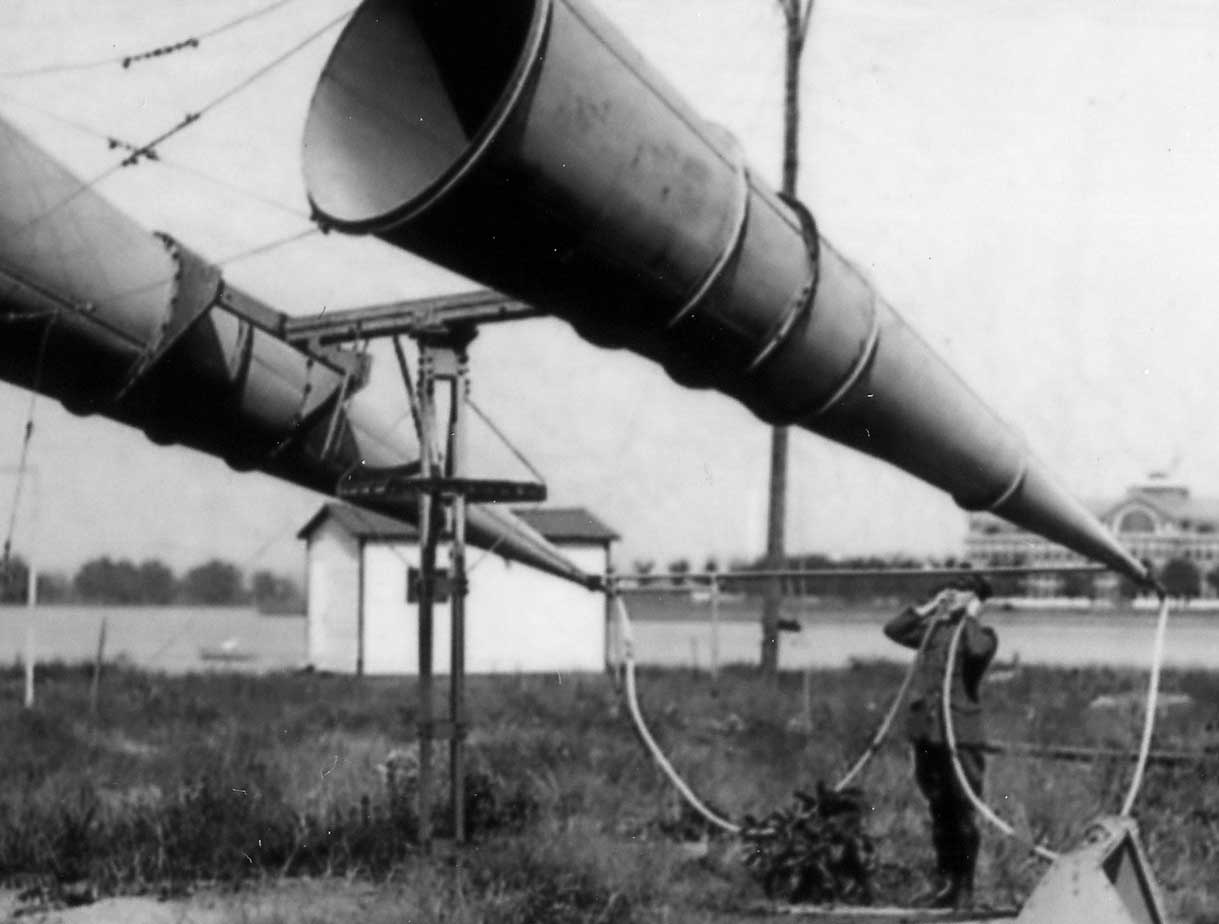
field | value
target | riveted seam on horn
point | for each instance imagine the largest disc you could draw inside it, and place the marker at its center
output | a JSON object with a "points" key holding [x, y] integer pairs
{"points": [[731, 249], [803, 302], [853, 376], [197, 289]]}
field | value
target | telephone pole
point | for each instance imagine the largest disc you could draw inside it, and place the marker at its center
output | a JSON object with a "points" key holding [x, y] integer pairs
{"points": [[797, 15]]}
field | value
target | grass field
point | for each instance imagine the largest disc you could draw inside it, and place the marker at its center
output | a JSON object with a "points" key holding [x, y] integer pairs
{"points": [[244, 781]]}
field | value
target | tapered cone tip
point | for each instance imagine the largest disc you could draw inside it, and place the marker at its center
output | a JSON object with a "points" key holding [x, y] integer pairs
{"points": [[511, 537], [1043, 506], [909, 408]]}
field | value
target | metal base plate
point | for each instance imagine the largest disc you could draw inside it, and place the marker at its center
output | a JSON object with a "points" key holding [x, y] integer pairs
{"points": [[857, 914]]}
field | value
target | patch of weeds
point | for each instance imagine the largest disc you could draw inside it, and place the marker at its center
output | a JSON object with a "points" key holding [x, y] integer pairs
{"points": [[207, 828], [493, 803], [682, 823], [814, 851], [534, 889]]}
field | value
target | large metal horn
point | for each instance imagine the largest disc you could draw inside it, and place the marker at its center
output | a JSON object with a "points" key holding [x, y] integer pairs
{"points": [[526, 144], [109, 319]]}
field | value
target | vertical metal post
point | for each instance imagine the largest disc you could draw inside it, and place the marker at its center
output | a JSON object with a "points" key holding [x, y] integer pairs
{"points": [[426, 596], [796, 14], [361, 550], [806, 694], [612, 658], [457, 600], [30, 656], [95, 686], [715, 628]]}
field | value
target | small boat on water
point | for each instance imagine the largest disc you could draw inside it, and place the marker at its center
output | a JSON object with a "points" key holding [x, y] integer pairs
{"points": [[228, 651]]}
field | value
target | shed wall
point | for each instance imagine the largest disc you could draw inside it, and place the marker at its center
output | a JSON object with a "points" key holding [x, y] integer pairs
{"points": [[518, 619], [333, 608]]}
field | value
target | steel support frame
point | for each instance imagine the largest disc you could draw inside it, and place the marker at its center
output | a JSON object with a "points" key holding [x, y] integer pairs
{"points": [[443, 327], [444, 361]]}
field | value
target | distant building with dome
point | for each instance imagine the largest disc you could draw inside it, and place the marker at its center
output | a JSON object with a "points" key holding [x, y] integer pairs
{"points": [[1158, 520]]}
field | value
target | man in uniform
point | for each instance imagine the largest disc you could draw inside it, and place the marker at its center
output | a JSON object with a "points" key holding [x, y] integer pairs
{"points": [[954, 831]]}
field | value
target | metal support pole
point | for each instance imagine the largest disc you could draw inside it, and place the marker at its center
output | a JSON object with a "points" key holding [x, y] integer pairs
{"points": [[31, 655], [457, 605], [715, 628], [426, 597], [612, 658], [796, 14], [95, 686], [361, 577]]}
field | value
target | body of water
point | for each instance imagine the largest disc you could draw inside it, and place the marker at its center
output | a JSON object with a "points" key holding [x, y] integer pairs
{"points": [[170, 638], [834, 638], [668, 632]]}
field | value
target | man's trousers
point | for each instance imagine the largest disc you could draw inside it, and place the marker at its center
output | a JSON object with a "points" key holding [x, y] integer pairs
{"points": [[954, 831]]}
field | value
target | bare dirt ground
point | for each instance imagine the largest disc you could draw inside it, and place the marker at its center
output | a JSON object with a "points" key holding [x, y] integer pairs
{"points": [[341, 901]]}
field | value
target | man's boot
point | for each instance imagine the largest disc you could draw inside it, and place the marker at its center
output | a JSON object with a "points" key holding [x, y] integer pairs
{"points": [[940, 891], [963, 893], [963, 873]]}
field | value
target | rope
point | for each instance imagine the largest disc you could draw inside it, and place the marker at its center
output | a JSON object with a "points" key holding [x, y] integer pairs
{"points": [[227, 260], [1153, 695], [520, 456], [259, 249], [126, 60], [118, 143], [628, 660], [950, 734], [147, 151], [887, 723], [190, 118]]}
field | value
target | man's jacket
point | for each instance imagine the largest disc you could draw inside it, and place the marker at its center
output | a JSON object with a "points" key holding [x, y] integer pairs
{"points": [[924, 721]]}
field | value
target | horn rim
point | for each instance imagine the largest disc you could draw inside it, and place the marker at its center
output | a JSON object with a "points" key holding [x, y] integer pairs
{"points": [[529, 61]]}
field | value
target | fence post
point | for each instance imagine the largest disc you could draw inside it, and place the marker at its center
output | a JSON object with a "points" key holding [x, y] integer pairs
{"points": [[807, 696], [29, 667], [95, 685]]}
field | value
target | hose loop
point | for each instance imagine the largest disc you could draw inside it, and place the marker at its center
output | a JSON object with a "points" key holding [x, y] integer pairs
{"points": [[882, 732], [1153, 696], [628, 661], [951, 738]]}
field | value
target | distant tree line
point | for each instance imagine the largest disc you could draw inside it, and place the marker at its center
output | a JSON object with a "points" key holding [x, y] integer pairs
{"points": [[1181, 577], [151, 582]]}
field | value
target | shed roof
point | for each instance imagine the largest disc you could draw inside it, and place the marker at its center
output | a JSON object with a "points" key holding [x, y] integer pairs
{"points": [[557, 524], [566, 524], [360, 523]]}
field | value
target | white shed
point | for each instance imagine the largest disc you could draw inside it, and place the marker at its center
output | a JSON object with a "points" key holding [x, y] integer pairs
{"points": [[362, 614]]}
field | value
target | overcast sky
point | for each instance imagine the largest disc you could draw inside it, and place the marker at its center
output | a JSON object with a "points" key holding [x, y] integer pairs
{"points": [[1032, 185]]}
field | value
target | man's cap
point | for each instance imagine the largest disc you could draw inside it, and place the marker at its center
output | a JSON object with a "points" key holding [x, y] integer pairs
{"points": [[978, 585]]}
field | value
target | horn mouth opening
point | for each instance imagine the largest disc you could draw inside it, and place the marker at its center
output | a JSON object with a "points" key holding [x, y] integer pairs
{"points": [[411, 97]]}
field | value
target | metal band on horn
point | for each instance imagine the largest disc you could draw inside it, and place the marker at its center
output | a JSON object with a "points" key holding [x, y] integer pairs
{"points": [[731, 249], [853, 376], [1011, 490], [803, 302]]}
